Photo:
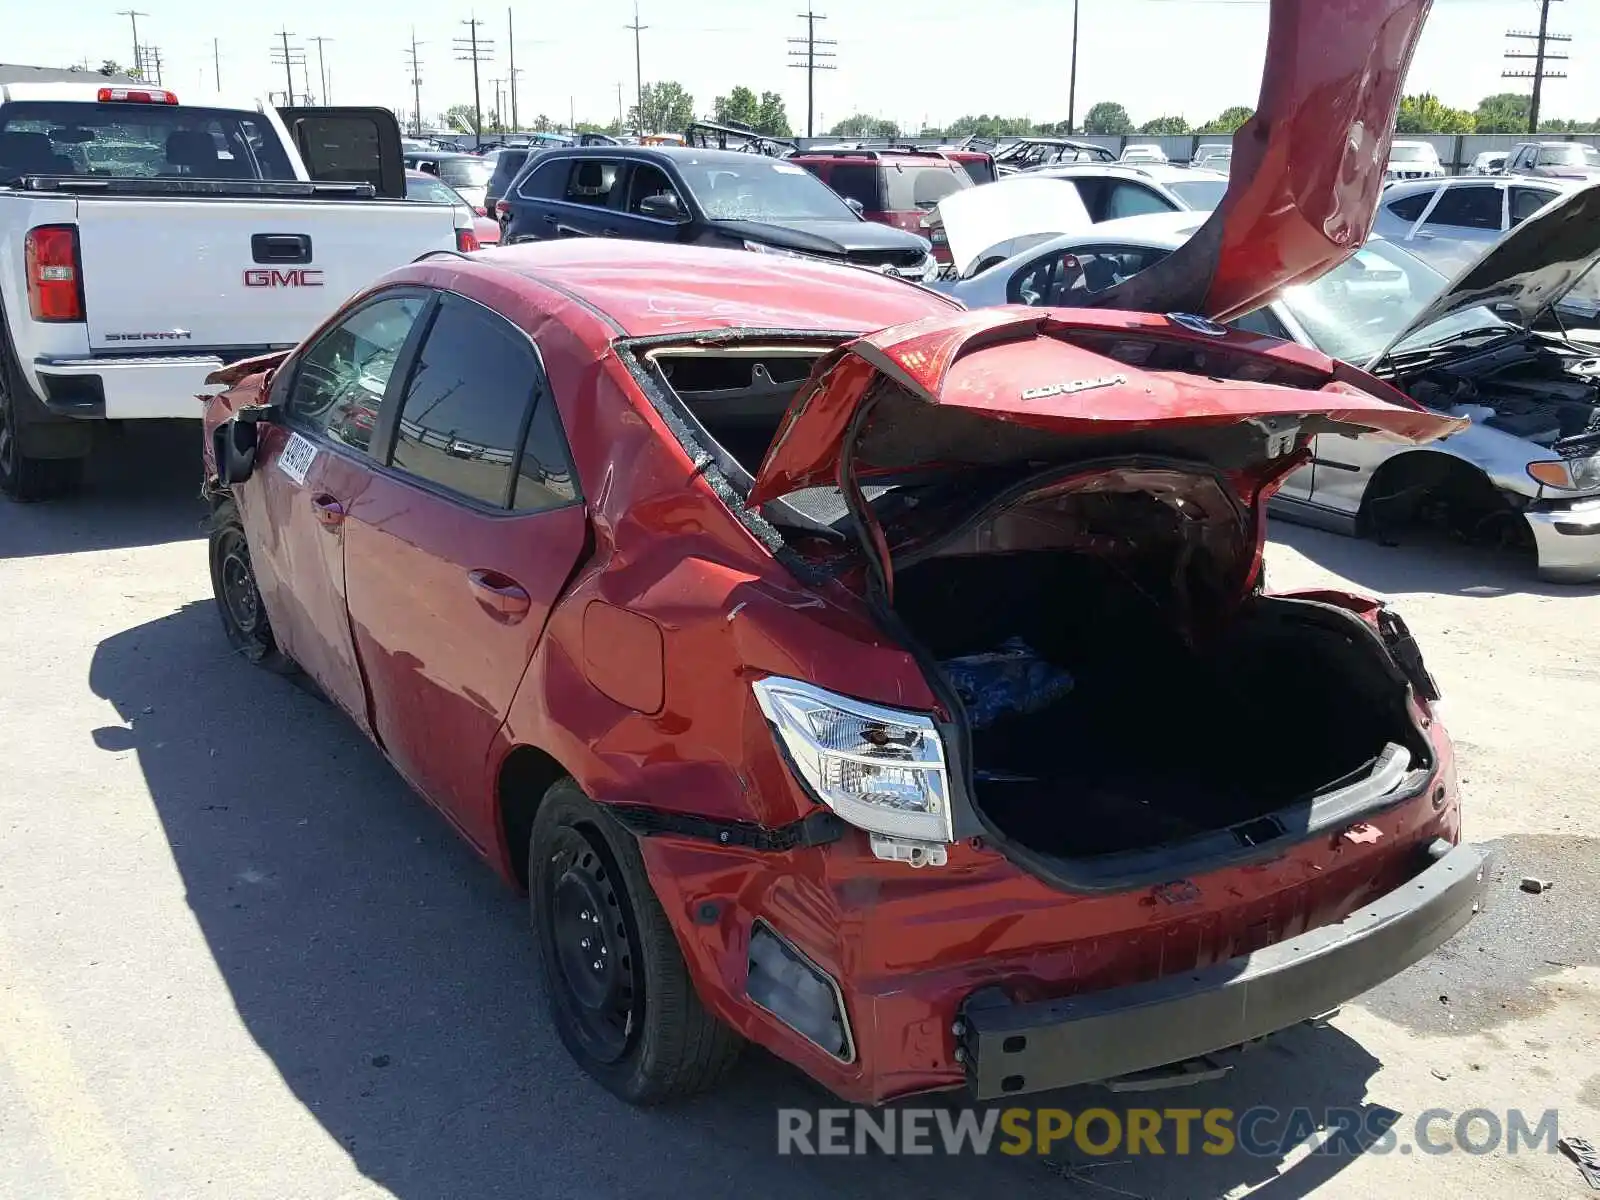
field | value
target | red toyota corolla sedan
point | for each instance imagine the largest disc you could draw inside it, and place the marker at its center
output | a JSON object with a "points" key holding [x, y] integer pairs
{"points": [[887, 684]]}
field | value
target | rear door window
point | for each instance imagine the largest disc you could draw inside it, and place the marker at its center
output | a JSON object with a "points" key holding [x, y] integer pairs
{"points": [[1409, 208], [1134, 200], [1468, 208], [137, 141], [593, 181], [465, 403], [858, 182]]}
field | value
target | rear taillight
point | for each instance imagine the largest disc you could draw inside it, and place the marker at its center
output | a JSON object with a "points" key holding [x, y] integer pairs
{"points": [[480, 210], [502, 210], [55, 290], [135, 96], [467, 241]]}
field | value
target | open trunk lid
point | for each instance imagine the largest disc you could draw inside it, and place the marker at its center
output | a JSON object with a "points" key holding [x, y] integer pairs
{"points": [[1307, 168], [1014, 391]]}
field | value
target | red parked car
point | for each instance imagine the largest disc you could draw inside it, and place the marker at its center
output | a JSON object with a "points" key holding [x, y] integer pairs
{"points": [[887, 684], [897, 187]]}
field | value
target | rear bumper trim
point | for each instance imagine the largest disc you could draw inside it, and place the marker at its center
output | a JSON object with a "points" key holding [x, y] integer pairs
{"points": [[1096, 1036]]}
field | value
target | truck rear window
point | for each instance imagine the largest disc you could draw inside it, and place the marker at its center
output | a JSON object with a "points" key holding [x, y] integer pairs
{"points": [[138, 141]]}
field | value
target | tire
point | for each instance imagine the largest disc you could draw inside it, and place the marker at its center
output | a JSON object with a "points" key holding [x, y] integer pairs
{"points": [[23, 477], [634, 1023], [239, 602]]}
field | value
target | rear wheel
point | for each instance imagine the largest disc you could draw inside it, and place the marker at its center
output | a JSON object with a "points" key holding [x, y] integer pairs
{"points": [[239, 603], [615, 980], [22, 476]]}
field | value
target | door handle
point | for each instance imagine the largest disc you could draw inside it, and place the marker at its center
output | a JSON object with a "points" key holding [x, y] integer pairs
{"points": [[502, 598], [329, 512]]}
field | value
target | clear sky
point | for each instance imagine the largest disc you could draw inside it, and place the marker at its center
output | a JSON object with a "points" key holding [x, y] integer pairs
{"points": [[910, 60]]}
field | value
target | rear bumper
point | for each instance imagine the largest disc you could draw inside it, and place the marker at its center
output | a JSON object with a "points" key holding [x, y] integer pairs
{"points": [[1568, 541], [123, 389], [1013, 1048]]}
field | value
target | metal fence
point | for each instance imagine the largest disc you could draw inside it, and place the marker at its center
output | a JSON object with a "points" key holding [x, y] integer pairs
{"points": [[1456, 152]]}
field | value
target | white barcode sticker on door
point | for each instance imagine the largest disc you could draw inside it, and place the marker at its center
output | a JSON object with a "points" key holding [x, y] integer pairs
{"points": [[298, 455]]}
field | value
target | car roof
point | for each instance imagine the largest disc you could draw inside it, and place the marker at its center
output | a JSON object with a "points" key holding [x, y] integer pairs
{"points": [[646, 289], [672, 154]]}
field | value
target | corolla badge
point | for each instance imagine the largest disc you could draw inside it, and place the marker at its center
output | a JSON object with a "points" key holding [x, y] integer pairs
{"points": [[1195, 323]]}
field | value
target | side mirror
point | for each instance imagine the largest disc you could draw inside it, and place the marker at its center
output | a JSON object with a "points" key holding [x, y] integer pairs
{"points": [[663, 206], [236, 451], [856, 206]]}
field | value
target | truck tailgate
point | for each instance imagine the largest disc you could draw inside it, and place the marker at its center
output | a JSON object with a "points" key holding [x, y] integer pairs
{"points": [[229, 274]]}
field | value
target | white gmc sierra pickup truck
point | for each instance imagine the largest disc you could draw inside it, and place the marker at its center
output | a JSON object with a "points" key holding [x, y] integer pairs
{"points": [[146, 242]]}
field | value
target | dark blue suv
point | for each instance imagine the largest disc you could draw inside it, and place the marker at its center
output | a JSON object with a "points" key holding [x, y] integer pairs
{"points": [[701, 197]]}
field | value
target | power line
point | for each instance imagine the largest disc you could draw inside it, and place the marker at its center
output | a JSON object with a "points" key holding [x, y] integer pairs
{"points": [[477, 51], [1540, 56], [807, 59], [322, 65], [288, 57], [133, 16], [416, 83], [150, 68], [638, 68]]}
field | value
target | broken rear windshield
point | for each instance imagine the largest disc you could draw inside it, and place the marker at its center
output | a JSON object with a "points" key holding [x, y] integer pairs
{"points": [[137, 141]]}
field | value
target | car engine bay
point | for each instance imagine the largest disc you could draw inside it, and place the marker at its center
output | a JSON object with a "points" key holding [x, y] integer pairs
{"points": [[1541, 388]]}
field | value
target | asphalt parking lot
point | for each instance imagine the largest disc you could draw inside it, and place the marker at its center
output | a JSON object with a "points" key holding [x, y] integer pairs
{"points": [[238, 958]]}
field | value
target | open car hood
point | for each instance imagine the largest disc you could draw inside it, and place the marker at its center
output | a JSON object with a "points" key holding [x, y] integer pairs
{"points": [[993, 221], [1307, 168], [1531, 269], [1012, 388]]}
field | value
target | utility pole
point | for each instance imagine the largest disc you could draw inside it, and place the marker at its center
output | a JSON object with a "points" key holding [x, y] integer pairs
{"points": [[511, 50], [416, 83], [1540, 57], [133, 16], [322, 66], [290, 57], [150, 68], [216, 59], [1072, 78], [499, 108], [619, 105], [572, 115], [475, 50], [638, 66], [807, 59]]}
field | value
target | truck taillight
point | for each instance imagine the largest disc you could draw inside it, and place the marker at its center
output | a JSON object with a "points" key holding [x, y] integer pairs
{"points": [[467, 241], [120, 95], [55, 290]]}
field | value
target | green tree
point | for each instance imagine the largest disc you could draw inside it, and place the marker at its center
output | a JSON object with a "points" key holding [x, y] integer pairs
{"points": [[614, 127], [863, 126], [112, 67], [1165, 126], [986, 126], [1228, 120], [739, 106], [1426, 114], [1503, 112], [668, 108], [1107, 117], [542, 124], [460, 118], [772, 118]]}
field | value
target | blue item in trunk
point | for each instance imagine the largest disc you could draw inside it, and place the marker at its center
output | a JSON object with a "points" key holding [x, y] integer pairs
{"points": [[1010, 681]]}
